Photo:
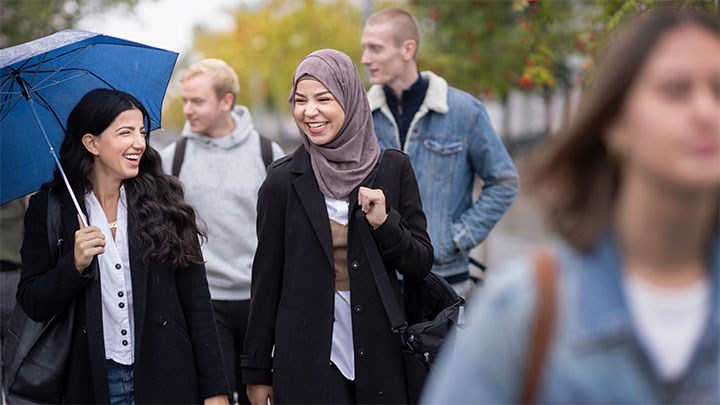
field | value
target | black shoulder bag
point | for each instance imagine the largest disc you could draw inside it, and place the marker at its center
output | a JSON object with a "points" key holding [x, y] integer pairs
{"points": [[37, 352], [432, 310]]}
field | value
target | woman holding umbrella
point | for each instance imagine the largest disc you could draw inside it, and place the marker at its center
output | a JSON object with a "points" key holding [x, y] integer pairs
{"points": [[318, 332], [143, 329]]}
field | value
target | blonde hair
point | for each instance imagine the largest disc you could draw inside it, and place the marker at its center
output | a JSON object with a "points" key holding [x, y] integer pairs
{"points": [[223, 77], [403, 24]]}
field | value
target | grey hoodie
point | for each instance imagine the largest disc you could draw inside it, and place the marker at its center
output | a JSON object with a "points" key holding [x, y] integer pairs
{"points": [[221, 177]]}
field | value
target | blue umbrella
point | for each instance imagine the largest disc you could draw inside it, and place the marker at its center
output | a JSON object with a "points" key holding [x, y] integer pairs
{"points": [[42, 80]]}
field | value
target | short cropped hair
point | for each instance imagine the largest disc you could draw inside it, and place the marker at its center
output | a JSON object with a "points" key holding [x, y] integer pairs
{"points": [[405, 25], [223, 77]]}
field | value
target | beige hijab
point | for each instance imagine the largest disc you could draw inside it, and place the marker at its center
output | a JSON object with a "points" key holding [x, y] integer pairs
{"points": [[343, 163]]}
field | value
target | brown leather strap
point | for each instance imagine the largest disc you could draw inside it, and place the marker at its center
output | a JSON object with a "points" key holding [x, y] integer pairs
{"points": [[545, 274]]}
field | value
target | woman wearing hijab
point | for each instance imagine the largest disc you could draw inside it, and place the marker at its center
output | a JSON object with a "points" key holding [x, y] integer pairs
{"points": [[143, 324], [318, 332]]}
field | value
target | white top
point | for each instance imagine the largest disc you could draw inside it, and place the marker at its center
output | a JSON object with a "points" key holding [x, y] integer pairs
{"points": [[115, 282], [342, 353], [669, 321]]}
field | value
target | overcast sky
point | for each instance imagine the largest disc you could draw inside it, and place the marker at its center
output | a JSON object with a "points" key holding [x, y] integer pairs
{"points": [[166, 24]]}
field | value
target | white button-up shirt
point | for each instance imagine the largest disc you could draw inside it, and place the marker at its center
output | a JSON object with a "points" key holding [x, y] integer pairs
{"points": [[115, 282]]}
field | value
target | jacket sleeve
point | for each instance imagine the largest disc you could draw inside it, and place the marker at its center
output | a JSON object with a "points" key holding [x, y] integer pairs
{"points": [[266, 285], [402, 239], [46, 287], [493, 165], [194, 295]]}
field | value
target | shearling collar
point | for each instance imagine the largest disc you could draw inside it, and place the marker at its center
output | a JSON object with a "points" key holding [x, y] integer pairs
{"points": [[435, 98]]}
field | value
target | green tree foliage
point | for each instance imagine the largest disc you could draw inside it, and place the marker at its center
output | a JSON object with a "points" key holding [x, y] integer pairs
{"points": [[268, 42], [25, 20], [490, 47]]}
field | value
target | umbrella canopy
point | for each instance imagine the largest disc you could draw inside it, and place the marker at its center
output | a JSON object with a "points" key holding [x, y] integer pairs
{"points": [[42, 80]]}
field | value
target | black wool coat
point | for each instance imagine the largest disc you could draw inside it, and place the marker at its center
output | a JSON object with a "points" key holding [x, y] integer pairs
{"points": [[293, 284], [177, 351]]}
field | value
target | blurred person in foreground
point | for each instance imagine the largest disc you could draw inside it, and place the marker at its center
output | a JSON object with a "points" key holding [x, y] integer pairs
{"points": [[318, 332], [221, 169], [632, 188], [448, 136], [143, 328]]}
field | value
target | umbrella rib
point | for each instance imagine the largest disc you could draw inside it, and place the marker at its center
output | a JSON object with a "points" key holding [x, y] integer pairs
{"points": [[84, 72], [52, 72]]}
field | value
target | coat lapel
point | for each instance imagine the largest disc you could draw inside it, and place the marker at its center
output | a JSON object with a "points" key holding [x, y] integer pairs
{"points": [[312, 200]]}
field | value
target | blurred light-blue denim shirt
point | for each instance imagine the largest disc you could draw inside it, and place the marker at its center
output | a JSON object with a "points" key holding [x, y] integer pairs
{"points": [[595, 355], [449, 141]]}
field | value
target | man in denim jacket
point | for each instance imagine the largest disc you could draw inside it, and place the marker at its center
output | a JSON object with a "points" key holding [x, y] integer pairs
{"points": [[449, 138]]}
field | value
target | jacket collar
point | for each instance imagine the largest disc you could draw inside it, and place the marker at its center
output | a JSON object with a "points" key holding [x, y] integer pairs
{"points": [[436, 98], [601, 314]]}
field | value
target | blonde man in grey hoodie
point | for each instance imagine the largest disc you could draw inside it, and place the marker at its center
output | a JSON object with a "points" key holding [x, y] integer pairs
{"points": [[220, 164]]}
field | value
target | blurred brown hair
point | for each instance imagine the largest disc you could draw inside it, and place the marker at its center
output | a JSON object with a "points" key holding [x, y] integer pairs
{"points": [[573, 176]]}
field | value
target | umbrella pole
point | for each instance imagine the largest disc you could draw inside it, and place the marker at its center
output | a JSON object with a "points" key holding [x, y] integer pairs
{"points": [[57, 161]]}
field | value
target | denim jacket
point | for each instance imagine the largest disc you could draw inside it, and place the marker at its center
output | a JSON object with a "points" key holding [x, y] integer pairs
{"points": [[595, 355], [449, 141]]}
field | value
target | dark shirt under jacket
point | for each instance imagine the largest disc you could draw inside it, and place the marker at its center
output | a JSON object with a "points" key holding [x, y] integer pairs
{"points": [[404, 109]]}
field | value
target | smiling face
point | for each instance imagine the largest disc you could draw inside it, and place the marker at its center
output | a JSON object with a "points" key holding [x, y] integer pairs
{"points": [[118, 149], [317, 113], [669, 127]]}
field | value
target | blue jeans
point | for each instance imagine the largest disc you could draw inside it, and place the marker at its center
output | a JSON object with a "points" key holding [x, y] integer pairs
{"points": [[120, 382]]}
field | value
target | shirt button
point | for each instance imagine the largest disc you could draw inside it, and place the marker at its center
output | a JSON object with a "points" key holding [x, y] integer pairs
{"points": [[162, 321], [358, 309], [123, 332], [355, 265], [120, 293], [124, 342], [118, 266], [361, 352], [121, 305]]}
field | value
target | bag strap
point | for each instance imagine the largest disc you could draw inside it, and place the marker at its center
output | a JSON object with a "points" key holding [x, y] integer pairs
{"points": [[545, 274], [180, 146], [382, 281], [179, 156], [266, 151]]}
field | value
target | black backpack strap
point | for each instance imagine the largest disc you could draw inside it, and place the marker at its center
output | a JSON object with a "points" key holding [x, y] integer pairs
{"points": [[179, 156], [266, 150]]}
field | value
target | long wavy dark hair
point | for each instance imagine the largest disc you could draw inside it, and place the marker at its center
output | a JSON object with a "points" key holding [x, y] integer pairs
{"points": [[160, 218]]}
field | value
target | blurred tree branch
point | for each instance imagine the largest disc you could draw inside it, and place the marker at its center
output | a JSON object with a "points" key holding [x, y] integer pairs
{"points": [[25, 20]]}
